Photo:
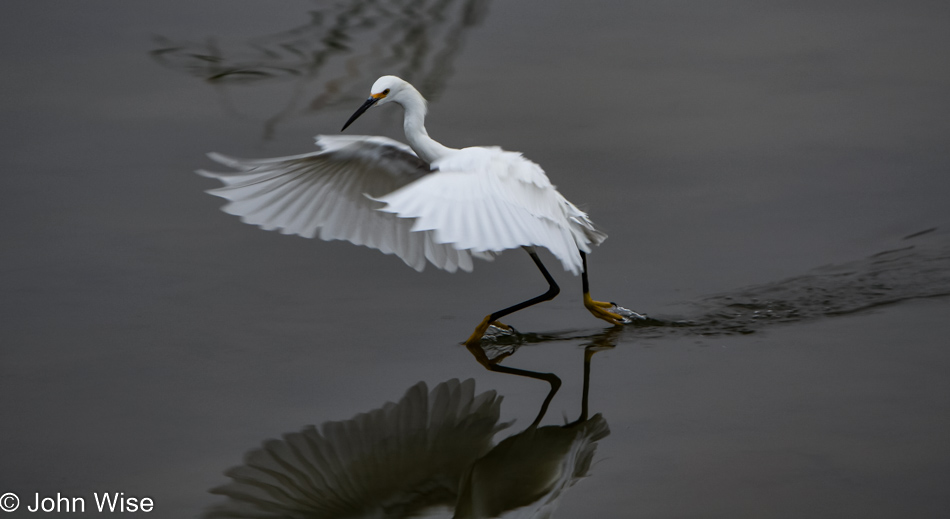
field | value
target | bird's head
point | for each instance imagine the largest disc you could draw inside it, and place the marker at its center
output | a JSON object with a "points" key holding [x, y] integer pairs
{"points": [[385, 89]]}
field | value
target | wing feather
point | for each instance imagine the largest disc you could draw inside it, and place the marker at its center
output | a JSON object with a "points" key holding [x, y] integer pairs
{"points": [[486, 200], [328, 193], [376, 192]]}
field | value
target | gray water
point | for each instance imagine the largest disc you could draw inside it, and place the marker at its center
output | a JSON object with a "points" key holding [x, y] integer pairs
{"points": [[773, 178]]}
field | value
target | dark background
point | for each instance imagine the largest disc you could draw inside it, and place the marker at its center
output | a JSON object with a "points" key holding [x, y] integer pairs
{"points": [[148, 340]]}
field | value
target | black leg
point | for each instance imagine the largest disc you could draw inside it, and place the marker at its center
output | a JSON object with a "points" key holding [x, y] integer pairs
{"points": [[599, 309], [553, 291], [584, 283]]}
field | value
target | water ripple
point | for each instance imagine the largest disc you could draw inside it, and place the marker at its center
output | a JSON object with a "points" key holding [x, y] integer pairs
{"points": [[918, 268]]}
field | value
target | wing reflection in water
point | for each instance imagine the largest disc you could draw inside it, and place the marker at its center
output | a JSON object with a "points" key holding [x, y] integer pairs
{"points": [[425, 455], [342, 46], [396, 461]]}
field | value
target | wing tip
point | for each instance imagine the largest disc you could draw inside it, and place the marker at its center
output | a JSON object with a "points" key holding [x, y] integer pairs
{"points": [[221, 158]]}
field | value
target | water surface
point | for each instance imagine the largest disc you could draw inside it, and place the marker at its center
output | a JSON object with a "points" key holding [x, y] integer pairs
{"points": [[766, 174]]}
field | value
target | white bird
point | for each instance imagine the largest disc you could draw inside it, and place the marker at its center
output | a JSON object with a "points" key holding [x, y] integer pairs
{"points": [[422, 202]]}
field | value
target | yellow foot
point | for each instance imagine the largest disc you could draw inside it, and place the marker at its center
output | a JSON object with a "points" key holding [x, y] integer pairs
{"points": [[476, 337], [482, 327], [474, 343], [599, 310]]}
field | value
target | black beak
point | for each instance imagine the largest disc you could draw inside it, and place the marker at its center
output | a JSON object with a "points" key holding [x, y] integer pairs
{"points": [[369, 102]]}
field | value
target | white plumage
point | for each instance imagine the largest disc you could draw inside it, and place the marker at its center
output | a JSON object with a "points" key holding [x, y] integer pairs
{"points": [[424, 202]]}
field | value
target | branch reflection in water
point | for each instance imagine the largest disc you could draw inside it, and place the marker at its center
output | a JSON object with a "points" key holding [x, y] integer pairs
{"points": [[426, 455], [342, 45]]}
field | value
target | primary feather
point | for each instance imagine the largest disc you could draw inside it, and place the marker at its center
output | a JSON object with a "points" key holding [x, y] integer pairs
{"points": [[328, 194]]}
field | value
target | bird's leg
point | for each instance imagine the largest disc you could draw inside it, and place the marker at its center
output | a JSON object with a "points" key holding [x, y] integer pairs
{"points": [[492, 319], [598, 308]]}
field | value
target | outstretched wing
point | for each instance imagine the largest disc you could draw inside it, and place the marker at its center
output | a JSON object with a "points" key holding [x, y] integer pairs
{"points": [[489, 200], [327, 194]]}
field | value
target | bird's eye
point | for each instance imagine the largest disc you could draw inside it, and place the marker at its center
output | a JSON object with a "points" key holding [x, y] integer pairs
{"points": [[386, 92]]}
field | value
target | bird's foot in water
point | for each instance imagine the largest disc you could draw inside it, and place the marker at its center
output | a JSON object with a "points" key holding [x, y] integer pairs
{"points": [[489, 330], [498, 330], [629, 316], [612, 312]]}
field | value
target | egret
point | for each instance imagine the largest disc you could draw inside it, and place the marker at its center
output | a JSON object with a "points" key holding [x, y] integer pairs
{"points": [[424, 202]]}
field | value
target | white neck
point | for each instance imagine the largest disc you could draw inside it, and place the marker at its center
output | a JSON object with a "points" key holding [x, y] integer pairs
{"points": [[414, 125]]}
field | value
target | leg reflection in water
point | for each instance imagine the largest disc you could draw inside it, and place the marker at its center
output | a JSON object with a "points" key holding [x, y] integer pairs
{"points": [[529, 471]]}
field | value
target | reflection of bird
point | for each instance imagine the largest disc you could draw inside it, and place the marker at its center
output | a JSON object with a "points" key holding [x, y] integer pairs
{"points": [[398, 461], [527, 473], [422, 202], [426, 455]]}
